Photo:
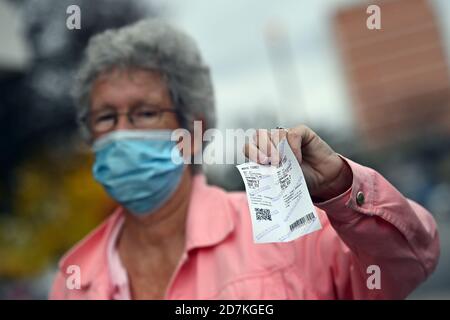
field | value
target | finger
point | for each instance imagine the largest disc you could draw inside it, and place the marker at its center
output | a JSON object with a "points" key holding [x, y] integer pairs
{"points": [[252, 152], [298, 139], [276, 135], [264, 144]]}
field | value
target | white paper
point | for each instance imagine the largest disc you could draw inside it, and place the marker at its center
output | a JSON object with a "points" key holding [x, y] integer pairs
{"points": [[281, 208]]}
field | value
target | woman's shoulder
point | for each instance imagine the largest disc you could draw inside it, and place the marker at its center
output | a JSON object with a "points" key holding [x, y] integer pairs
{"points": [[88, 253], [94, 238]]}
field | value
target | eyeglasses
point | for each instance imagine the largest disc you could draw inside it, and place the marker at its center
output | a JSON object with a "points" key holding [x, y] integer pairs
{"points": [[141, 117]]}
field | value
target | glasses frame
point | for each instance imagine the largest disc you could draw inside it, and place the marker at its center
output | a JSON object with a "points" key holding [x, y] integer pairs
{"points": [[87, 119]]}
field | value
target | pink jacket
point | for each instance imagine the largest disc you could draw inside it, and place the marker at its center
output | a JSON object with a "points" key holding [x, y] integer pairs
{"points": [[220, 260]]}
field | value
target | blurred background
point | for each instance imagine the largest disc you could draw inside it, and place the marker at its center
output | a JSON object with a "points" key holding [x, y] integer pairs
{"points": [[379, 97]]}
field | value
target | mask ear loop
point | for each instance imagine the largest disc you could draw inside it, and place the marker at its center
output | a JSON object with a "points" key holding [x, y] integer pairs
{"points": [[183, 143], [183, 138]]}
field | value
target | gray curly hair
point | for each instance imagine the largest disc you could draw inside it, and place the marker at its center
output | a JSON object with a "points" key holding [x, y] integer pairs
{"points": [[156, 45]]}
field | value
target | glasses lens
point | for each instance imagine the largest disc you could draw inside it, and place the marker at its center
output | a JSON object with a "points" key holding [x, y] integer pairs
{"points": [[103, 121], [145, 116]]}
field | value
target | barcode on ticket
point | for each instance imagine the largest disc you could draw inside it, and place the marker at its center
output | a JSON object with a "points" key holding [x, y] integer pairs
{"points": [[263, 214], [302, 221]]}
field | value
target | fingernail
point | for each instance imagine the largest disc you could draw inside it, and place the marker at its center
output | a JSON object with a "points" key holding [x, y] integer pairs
{"points": [[265, 160], [275, 160]]}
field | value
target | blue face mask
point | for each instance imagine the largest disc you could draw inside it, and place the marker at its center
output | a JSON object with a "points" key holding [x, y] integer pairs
{"points": [[139, 169]]}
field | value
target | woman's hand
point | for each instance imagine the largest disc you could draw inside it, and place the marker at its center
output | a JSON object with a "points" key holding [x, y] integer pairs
{"points": [[327, 174]]}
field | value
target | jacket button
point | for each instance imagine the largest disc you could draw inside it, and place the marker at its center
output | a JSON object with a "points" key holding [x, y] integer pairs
{"points": [[360, 198]]}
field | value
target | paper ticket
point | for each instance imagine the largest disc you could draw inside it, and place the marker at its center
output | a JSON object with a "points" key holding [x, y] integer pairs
{"points": [[281, 208]]}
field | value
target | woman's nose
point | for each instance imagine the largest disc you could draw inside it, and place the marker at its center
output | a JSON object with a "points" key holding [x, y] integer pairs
{"points": [[123, 123]]}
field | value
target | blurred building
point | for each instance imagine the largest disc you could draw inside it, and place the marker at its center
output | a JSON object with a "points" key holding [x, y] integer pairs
{"points": [[398, 76]]}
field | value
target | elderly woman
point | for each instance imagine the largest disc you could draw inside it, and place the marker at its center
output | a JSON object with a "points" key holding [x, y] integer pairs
{"points": [[175, 237]]}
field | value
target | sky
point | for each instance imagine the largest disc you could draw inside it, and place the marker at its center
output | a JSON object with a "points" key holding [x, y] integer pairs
{"points": [[231, 35], [13, 52]]}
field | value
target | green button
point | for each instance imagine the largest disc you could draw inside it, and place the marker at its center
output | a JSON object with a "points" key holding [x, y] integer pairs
{"points": [[360, 198]]}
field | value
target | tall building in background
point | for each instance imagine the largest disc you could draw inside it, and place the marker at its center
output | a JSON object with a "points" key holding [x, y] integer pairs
{"points": [[398, 76]]}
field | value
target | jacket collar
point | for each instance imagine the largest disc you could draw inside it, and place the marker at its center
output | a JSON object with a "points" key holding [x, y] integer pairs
{"points": [[210, 216], [209, 221]]}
